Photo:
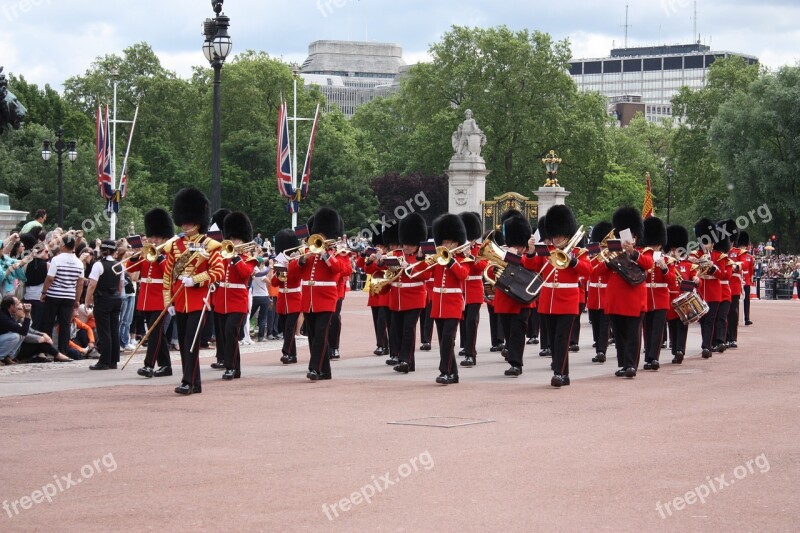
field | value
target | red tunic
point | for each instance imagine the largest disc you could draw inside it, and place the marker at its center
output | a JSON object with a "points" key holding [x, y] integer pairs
{"points": [[320, 281], [683, 270], [232, 294], [597, 289], [623, 298], [347, 271], [736, 272], [748, 267], [473, 284], [151, 284], [448, 292], [560, 293], [710, 288], [409, 293], [289, 298], [658, 284], [375, 300], [205, 269]]}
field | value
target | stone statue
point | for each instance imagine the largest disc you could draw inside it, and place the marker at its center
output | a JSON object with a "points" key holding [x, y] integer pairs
{"points": [[468, 139], [12, 112]]}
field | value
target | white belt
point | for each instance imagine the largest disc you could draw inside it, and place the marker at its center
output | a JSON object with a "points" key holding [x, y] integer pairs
{"points": [[233, 285], [657, 285], [474, 278], [558, 285], [407, 285], [707, 277], [725, 282], [442, 290], [153, 281], [313, 283], [598, 285], [287, 291]]}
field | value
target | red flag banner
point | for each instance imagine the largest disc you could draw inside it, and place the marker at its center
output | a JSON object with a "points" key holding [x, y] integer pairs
{"points": [[647, 209]]}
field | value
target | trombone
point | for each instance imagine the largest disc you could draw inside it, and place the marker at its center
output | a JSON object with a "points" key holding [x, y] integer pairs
{"points": [[149, 253], [316, 244], [560, 258], [230, 250]]}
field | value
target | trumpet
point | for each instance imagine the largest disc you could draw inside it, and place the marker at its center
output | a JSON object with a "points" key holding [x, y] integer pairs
{"points": [[316, 244], [149, 253], [560, 258], [230, 250]]}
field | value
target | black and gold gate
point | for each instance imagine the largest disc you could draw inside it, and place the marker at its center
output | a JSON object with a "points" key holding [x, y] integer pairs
{"points": [[494, 209]]}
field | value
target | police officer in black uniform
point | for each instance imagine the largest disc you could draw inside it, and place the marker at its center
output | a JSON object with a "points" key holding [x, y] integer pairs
{"points": [[105, 294]]}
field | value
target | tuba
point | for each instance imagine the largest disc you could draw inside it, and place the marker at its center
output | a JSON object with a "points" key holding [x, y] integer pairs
{"points": [[515, 280]]}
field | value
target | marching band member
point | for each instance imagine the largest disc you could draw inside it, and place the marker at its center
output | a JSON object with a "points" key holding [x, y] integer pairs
{"points": [[659, 279], [448, 293], [723, 245], [547, 350], [319, 273], [426, 322], [344, 279], [625, 302], [685, 281], [408, 295], [231, 298], [596, 297], [748, 267], [379, 303], [158, 228], [473, 287], [512, 314], [560, 294], [289, 300], [391, 238], [736, 284], [192, 266], [711, 277], [495, 329], [211, 327]]}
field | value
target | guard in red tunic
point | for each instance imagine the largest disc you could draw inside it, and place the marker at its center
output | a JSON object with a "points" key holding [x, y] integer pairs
{"points": [[425, 320], [231, 299], [713, 269], [596, 296], [343, 255], [659, 279], [320, 274], [192, 266], [748, 267], [289, 299], [448, 293], [378, 303], [214, 322], [560, 295], [473, 288], [158, 228], [391, 239], [408, 296], [625, 302], [547, 349], [727, 230], [737, 286], [685, 281]]}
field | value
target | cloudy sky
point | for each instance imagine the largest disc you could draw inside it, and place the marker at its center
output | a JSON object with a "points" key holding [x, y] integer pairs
{"points": [[49, 40]]}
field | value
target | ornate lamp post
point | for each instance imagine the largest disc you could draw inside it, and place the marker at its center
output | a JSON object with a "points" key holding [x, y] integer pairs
{"points": [[61, 147], [670, 173], [551, 163], [216, 48]]}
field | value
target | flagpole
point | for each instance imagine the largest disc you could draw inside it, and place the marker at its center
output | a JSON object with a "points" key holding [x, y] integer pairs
{"points": [[113, 222], [294, 147]]}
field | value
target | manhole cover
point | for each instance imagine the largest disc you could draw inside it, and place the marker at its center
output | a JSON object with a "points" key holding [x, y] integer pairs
{"points": [[442, 421]]}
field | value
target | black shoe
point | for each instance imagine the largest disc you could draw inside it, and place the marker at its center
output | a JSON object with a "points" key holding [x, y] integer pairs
{"points": [[443, 379], [425, 347], [722, 347], [513, 372], [535, 340], [678, 359], [313, 375], [403, 368], [630, 372], [732, 345], [218, 366], [393, 361], [231, 374], [184, 389], [290, 360], [706, 353], [748, 322], [546, 353], [495, 348], [655, 365], [555, 381], [529, 341], [145, 372], [648, 366], [462, 352], [574, 348], [599, 358], [504, 353], [323, 377], [469, 361], [452, 378], [378, 351], [564, 380], [103, 366], [620, 373], [335, 354], [163, 371]]}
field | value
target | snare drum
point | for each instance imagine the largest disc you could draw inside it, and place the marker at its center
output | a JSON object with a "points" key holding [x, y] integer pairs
{"points": [[690, 307]]}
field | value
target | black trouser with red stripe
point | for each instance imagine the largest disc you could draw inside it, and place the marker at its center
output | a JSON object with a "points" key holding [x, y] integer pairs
{"points": [[515, 328], [495, 328], [218, 327], [721, 326], [289, 343], [733, 320], [707, 323], [746, 303], [406, 327], [228, 336], [677, 335], [599, 320], [575, 337], [188, 324], [379, 322], [427, 327], [654, 322], [544, 333], [560, 329], [157, 344], [394, 332], [533, 324], [469, 328], [318, 327], [336, 326], [628, 336], [446, 329]]}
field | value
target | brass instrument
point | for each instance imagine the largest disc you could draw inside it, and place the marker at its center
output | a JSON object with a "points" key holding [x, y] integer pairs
{"points": [[316, 244], [560, 258], [149, 253], [702, 265], [441, 257], [230, 250], [492, 252], [514, 280], [621, 263]]}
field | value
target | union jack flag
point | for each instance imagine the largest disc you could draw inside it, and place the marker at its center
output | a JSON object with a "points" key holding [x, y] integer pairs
{"points": [[303, 193], [103, 155], [284, 161]]}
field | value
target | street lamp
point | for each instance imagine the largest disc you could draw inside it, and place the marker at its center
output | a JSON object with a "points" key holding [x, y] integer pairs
{"points": [[61, 147], [216, 47], [670, 173], [551, 163]]}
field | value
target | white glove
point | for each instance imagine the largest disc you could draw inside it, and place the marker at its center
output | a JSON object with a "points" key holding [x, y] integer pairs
{"points": [[187, 281], [171, 310]]}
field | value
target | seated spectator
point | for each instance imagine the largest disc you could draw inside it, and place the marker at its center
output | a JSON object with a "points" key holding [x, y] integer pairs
{"points": [[16, 336], [38, 221], [81, 340]]}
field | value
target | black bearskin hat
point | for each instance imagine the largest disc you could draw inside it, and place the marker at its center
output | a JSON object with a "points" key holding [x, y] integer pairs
{"points": [[600, 230], [472, 223], [29, 240], [703, 228], [237, 226], [517, 231], [391, 234], [284, 240], [677, 237], [377, 238], [218, 217], [510, 213], [727, 231], [158, 223], [742, 242], [449, 227], [541, 229], [327, 222], [412, 230], [191, 207], [655, 232], [559, 221], [628, 218]]}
